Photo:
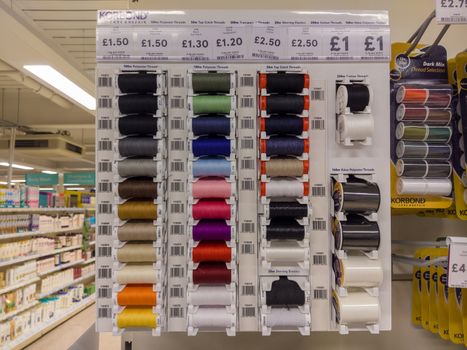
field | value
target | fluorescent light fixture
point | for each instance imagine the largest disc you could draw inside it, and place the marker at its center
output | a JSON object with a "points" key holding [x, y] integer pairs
{"points": [[50, 172], [17, 166], [3, 183], [75, 189], [62, 84], [46, 188], [18, 181], [70, 184]]}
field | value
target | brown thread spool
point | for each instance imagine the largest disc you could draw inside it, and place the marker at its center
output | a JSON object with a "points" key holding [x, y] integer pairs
{"points": [[134, 209], [137, 252], [284, 167], [139, 187], [137, 230]]}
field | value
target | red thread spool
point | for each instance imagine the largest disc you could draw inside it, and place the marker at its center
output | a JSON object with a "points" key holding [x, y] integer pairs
{"points": [[212, 273], [211, 209], [212, 251], [412, 95], [439, 98]]}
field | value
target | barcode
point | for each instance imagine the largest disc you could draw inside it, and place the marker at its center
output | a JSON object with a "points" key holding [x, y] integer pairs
{"points": [[247, 81], [104, 230], [247, 185], [104, 124], [318, 191], [104, 272], [104, 103], [176, 292], [247, 227], [177, 145], [105, 208], [317, 124], [317, 95], [104, 187], [248, 290], [177, 166], [320, 260], [104, 251], [247, 102], [177, 103], [177, 208], [177, 124], [104, 312], [320, 294], [453, 19], [177, 272], [177, 82], [104, 292], [247, 144], [177, 186], [319, 225], [177, 229], [104, 145], [104, 81], [230, 57], [249, 311], [247, 124], [177, 251], [247, 248], [176, 312], [265, 56], [104, 167], [247, 164]]}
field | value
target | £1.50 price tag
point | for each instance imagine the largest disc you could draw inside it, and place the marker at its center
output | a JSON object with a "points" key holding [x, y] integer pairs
{"points": [[457, 267], [154, 44], [451, 11], [114, 43]]}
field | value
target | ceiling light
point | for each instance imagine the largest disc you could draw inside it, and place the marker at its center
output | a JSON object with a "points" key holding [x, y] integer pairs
{"points": [[46, 188], [62, 84], [3, 183], [17, 166], [18, 181], [75, 189], [70, 184], [50, 172]]}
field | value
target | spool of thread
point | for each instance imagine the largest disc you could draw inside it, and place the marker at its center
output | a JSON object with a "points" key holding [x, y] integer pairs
{"points": [[284, 188], [210, 83], [423, 150], [433, 187], [212, 318], [284, 124], [464, 178], [137, 167], [139, 83], [211, 146], [211, 188], [137, 104], [137, 125], [356, 196], [357, 233], [212, 230], [421, 114], [462, 144], [284, 146], [285, 292], [211, 209], [136, 146], [356, 97], [137, 295], [207, 104], [210, 125], [284, 167], [285, 252], [137, 317], [137, 253], [440, 98], [136, 274], [285, 229], [212, 251], [287, 210], [462, 161], [285, 317], [358, 271], [134, 209], [212, 166], [210, 296], [277, 83], [355, 127], [212, 273], [137, 230], [419, 168], [356, 308], [137, 187], [423, 133], [279, 104]]}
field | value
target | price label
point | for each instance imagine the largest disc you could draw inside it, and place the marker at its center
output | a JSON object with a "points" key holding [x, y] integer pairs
{"points": [[230, 43], [114, 44], [304, 43], [268, 42], [338, 44], [457, 267], [194, 44], [451, 11], [372, 44], [154, 44]]}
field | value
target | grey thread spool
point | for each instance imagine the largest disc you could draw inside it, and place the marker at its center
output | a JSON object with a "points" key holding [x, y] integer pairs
{"points": [[137, 167], [138, 146], [137, 230], [284, 167]]}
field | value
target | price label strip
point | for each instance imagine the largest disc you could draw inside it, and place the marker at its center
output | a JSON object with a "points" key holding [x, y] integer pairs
{"points": [[457, 265], [451, 11]]}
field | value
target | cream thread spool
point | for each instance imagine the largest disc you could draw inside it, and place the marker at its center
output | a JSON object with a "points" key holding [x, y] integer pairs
{"points": [[136, 273], [359, 271], [355, 127], [210, 296], [137, 252], [285, 188], [211, 318], [285, 252], [434, 187], [285, 317], [357, 308]]}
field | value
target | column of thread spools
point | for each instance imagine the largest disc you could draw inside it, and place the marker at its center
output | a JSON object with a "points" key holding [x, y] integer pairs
{"points": [[357, 270], [284, 202], [211, 295], [423, 134], [355, 123], [458, 143], [139, 228]]}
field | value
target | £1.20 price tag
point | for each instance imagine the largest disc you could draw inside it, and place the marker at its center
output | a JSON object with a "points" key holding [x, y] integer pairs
{"points": [[451, 11], [457, 266], [230, 43]]}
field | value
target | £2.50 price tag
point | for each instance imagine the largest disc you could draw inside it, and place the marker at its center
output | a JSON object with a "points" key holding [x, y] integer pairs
{"points": [[268, 42], [457, 267], [304, 43]]}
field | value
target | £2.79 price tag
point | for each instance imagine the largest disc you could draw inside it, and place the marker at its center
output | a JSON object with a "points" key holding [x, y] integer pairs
{"points": [[451, 11], [457, 267]]}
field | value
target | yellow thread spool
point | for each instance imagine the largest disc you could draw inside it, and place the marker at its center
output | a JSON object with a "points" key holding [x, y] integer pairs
{"points": [[137, 317], [131, 209]]}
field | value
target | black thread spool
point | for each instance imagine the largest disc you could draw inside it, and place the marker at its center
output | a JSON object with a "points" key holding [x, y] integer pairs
{"points": [[136, 146], [283, 124], [139, 83], [284, 146], [285, 229], [137, 104], [137, 125], [356, 196], [336, 267], [356, 97], [137, 187], [357, 233], [287, 210], [210, 125], [279, 83], [285, 292], [283, 104]]}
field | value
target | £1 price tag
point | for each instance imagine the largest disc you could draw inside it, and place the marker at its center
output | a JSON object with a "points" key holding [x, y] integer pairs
{"points": [[457, 265], [338, 44], [373, 44]]}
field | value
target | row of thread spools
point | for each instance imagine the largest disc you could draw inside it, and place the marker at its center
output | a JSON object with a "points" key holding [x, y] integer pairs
{"points": [[211, 295], [284, 189], [140, 154]]}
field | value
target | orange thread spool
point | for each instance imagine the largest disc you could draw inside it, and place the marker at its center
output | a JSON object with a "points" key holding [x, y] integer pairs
{"points": [[137, 295], [212, 251]]}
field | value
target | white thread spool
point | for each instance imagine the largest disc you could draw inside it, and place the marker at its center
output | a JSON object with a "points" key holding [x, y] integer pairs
{"points": [[434, 187], [355, 127], [285, 317], [288, 252], [357, 308], [360, 271], [137, 273], [212, 317], [284, 188], [210, 295]]}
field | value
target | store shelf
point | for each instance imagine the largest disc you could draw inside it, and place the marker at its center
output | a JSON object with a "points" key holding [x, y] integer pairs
{"points": [[32, 257], [42, 210], [89, 261], [78, 280], [61, 267], [37, 233], [27, 338], [17, 311], [19, 285]]}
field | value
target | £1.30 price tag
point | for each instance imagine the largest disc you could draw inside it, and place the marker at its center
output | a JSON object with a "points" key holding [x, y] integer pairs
{"points": [[268, 42], [451, 11], [194, 44], [457, 267]]}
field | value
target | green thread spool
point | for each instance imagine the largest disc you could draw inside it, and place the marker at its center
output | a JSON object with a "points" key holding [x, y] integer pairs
{"points": [[439, 134], [212, 104], [409, 132], [211, 83]]}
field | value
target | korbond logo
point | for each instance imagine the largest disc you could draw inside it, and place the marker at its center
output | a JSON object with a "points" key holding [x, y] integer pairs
{"points": [[123, 15]]}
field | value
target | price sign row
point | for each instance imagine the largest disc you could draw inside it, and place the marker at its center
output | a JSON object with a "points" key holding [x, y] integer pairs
{"points": [[243, 43]]}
